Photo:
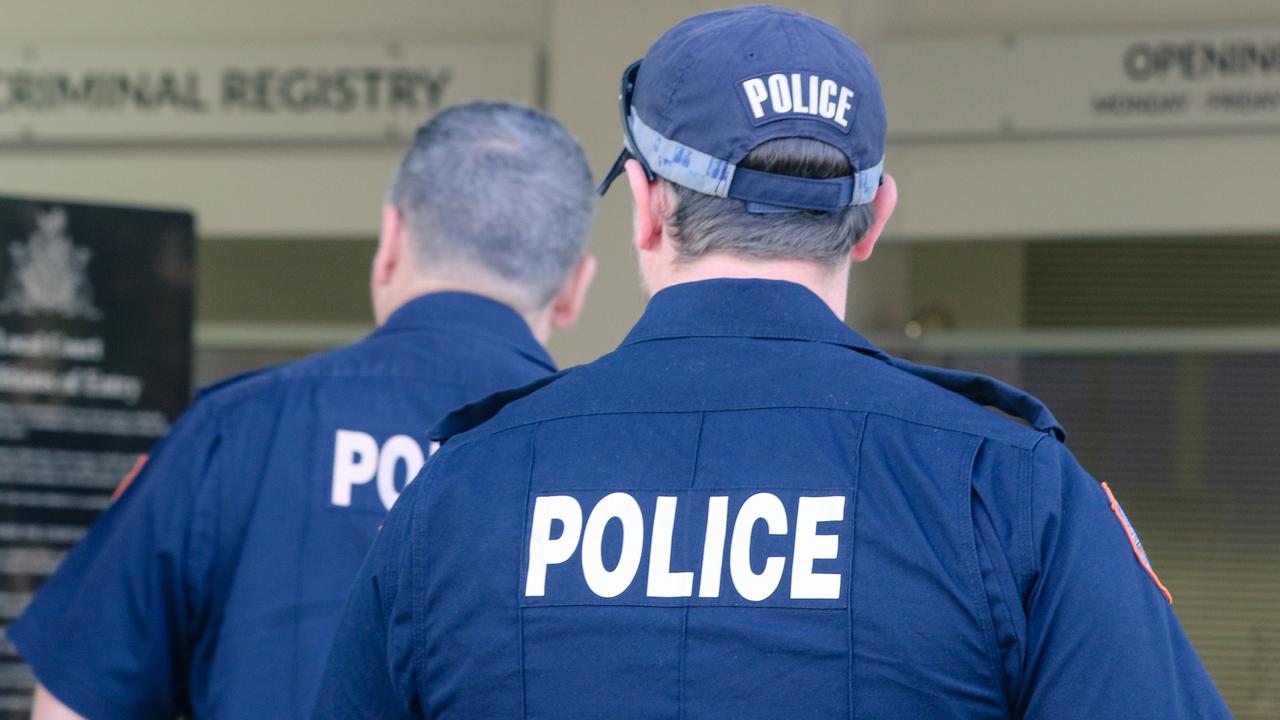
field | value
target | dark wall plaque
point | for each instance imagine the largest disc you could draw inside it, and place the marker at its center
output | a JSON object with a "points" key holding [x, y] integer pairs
{"points": [[95, 358]]}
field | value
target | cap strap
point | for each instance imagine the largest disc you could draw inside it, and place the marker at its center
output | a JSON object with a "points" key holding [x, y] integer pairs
{"points": [[754, 186], [698, 171]]}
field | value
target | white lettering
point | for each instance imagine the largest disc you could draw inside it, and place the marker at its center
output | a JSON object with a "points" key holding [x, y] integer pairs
{"points": [[357, 459], [797, 94], [611, 583], [397, 448], [663, 582], [761, 506], [800, 93], [842, 107], [756, 95], [713, 548], [810, 546], [545, 551], [779, 93], [826, 99], [355, 462]]}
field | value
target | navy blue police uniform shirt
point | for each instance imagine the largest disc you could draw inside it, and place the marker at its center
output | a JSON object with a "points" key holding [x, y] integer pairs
{"points": [[213, 586], [748, 511]]}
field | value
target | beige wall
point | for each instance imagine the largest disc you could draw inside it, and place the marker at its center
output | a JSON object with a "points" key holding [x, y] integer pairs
{"points": [[969, 190], [246, 191], [966, 190]]}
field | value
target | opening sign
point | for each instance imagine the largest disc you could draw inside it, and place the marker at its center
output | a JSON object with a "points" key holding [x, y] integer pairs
{"points": [[209, 94], [1086, 84]]}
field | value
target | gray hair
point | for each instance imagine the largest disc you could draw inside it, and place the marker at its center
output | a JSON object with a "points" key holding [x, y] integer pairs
{"points": [[704, 224], [498, 188]]}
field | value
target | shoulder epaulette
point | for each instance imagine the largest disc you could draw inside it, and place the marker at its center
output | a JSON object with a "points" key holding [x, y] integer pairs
{"points": [[990, 392]]}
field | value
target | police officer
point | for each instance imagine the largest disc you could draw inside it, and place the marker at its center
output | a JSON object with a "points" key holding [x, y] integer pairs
{"points": [[747, 510], [214, 584]]}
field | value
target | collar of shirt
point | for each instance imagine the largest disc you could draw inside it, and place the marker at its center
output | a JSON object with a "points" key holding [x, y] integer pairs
{"points": [[764, 309], [776, 310], [461, 312]]}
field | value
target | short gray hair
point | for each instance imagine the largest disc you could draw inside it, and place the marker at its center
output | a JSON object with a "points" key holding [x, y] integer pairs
{"points": [[500, 188], [704, 224]]}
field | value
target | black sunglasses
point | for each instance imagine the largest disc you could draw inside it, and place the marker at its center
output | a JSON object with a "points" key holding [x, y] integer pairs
{"points": [[629, 150]]}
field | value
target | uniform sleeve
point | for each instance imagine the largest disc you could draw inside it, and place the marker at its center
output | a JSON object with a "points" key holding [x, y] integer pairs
{"points": [[370, 670], [110, 634], [1102, 639]]}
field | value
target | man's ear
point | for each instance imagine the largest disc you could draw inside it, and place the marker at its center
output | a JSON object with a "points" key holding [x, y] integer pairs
{"points": [[390, 246], [885, 201], [646, 208], [567, 305]]}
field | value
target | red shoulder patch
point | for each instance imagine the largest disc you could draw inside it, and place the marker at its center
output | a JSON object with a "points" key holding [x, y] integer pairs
{"points": [[1135, 542], [127, 480]]}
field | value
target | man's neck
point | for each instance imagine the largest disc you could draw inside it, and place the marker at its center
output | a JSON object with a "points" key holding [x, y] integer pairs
{"points": [[830, 284], [538, 321]]}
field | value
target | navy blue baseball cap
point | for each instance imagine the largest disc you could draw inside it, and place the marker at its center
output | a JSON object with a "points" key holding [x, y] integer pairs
{"points": [[718, 85]]}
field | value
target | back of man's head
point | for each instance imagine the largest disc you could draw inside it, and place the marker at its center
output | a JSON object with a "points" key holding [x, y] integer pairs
{"points": [[703, 224], [765, 129], [495, 193]]}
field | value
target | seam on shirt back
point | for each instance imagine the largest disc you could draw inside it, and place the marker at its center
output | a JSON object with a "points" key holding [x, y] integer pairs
{"points": [[524, 539], [235, 394], [202, 536], [1030, 480], [417, 556], [472, 436], [684, 626], [299, 569], [302, 370], [853, 561], [977, 587]]}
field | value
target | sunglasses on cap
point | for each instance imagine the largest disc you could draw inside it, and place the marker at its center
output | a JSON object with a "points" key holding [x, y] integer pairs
{"points": [[629, 151]]}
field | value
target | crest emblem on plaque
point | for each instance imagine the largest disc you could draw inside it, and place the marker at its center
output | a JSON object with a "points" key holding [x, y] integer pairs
{"points": [[50, 273]]}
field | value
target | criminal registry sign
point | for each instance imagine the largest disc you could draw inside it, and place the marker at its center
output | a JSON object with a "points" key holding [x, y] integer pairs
{"points": [[219, 94], [95, 358]]}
